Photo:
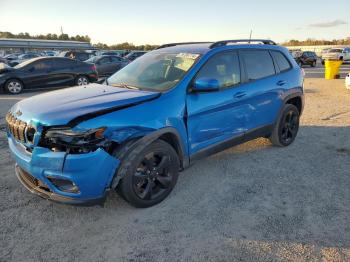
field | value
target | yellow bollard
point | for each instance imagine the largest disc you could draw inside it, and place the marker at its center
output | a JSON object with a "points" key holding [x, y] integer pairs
{"points": [[332, 68]]}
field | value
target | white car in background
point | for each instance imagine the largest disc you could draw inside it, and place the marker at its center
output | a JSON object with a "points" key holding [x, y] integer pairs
{"points": [[347, 81], [337, 54]]}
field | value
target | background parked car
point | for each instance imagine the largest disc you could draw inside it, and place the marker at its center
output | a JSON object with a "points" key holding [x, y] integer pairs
{"points": [[48, 53], [22, 58], [11, 57], [306, 58], [134, 54], [78, 55], [107, 65], [347, 81], [3, 60], [337, 54], [45, 72]]}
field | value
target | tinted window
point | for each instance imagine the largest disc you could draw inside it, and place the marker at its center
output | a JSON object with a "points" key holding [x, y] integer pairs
{"points": [[258, 64], [104, 60], [64, 63], [82, 56], [281, 61], [223, 67], [116, 59], [42, 65]]}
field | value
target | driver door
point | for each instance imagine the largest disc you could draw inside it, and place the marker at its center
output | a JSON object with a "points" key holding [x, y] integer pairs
{"points": [[217, 118], [38, 74]]}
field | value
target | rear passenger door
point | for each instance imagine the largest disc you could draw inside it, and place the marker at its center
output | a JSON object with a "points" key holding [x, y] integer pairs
{"points": [[104, 66], [63, 69], [263, 87]]}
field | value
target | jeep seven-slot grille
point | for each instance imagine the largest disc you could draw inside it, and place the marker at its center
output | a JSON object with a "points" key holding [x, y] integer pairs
{"points": [[16, 127]]}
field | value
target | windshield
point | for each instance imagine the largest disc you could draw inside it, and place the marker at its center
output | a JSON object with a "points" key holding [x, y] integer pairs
{"points": [[154, 71], [335, 51], [23, 64]]}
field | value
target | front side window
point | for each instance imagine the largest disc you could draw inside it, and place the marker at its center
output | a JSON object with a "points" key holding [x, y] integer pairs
{"points": [[154, 71], [281, 61], [258, 64], [223, 67], [42, 65]]}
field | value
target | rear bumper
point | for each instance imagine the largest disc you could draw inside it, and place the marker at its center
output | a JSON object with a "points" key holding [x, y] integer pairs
{"points": [[90, 173]]}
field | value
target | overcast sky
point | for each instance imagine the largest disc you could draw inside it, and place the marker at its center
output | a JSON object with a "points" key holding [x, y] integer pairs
{"points": [[156, 21]]}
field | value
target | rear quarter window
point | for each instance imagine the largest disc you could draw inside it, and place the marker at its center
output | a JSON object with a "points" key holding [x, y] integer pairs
{"points": [[258, 64], [281, 61]]}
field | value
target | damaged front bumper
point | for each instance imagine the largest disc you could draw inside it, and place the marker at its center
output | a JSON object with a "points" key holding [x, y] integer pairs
{"points": [[68, 178]]}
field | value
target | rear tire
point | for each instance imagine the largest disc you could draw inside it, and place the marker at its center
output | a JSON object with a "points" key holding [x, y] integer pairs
{"points": [[82, 81], [149, 174], [13, 86], [286, 129]]}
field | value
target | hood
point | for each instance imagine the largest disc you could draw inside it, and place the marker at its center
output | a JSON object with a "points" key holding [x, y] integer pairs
{"points": [[62, 106]]}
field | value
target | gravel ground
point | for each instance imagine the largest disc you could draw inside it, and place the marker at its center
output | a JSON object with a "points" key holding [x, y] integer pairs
{"points": [[253, 202]]}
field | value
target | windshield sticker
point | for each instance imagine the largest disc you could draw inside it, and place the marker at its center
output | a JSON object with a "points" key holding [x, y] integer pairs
{"points": [[188, 55]]}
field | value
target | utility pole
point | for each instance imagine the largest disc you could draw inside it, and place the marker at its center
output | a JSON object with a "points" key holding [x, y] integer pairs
{"points": [[250, 35], [61, 30]]}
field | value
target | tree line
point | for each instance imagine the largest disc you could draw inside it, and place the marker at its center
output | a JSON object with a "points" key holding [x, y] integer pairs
{"points": [[125, 46], [81, 38], [312, 42], [131, 46]]}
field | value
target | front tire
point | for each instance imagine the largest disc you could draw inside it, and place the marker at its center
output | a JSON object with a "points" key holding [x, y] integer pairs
{"points": [[150, 174], [82, 81], [13, 86], [286, 129]]}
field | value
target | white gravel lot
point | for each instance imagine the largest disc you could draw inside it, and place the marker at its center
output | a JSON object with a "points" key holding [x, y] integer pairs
{"points": [[253, 202]]}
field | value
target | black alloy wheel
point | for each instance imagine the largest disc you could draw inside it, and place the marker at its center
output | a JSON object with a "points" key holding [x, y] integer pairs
{"points": [[287, 126], [152, 177], [148, 173], [290, 127]]}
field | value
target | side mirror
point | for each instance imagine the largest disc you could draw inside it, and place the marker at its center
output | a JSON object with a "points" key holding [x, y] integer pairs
{"points": [[206, 84]]}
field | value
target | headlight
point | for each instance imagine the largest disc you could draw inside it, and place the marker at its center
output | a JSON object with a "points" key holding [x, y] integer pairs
{"points": [[65, 138]]}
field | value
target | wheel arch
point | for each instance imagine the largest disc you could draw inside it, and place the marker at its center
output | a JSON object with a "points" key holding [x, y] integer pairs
{"points": [[13, 78], [167, 134], [297, 102]]}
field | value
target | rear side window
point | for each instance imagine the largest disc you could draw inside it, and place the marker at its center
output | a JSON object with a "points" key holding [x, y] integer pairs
{"points": [[281, 60], [258, 64], [104, 60], [223, 67], [63, 63]]}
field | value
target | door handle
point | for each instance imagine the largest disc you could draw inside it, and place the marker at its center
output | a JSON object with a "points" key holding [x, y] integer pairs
{"points": [[239, 95], [281, 83]]}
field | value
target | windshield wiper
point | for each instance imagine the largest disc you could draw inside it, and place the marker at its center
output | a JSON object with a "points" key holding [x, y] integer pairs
{"points": [[125, 86]]}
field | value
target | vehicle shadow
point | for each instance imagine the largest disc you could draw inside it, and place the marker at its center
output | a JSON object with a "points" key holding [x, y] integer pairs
{"points": [[253, 201]]}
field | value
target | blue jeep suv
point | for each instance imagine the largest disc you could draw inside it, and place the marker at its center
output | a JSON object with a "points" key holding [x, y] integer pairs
{"points": [[153, 118]]}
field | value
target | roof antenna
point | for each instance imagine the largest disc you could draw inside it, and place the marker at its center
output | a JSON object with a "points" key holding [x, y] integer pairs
{"points": [[250, 36]]}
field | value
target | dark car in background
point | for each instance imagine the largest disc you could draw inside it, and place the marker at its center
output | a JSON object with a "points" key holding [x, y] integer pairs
{"points": [[22, 58], [78, 55], [46, 72], [107, 65], [134, 54], [306, 58]]}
